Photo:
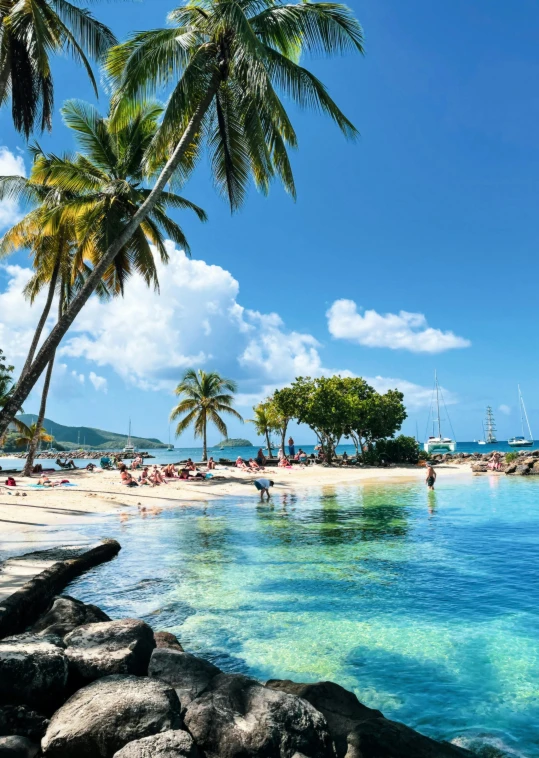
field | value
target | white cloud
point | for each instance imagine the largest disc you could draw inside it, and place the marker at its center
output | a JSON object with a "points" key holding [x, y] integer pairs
{"points": [[505, 409], [17, 318], [10, 165], [397, 331], [99, 382], [415, 395]]}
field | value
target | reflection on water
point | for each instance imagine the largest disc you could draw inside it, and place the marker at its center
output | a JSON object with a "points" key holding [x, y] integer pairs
{"points": [[424, 603]]}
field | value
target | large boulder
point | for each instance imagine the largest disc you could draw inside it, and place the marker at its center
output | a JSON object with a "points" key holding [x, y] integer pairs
{"points": [[167, 640], [17, 747], [101, 718], [188, 674], [361, 732], [236, 716], [171, 744], [18, 720], [109, 647], [33, 672], [67, 614]]}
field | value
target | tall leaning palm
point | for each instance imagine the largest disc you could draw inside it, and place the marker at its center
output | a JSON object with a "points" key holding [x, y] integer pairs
{"points": [[29, 33], [226, 64], [204, 396]]}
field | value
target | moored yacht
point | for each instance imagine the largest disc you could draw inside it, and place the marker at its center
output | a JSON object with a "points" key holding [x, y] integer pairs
{"points": [[439, 443], [521, 440]]}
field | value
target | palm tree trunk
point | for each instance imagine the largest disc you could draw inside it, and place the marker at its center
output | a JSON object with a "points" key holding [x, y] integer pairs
{"points": [[43, 318], [268, 442], [204, 440], [27, 381], [32, 449]]}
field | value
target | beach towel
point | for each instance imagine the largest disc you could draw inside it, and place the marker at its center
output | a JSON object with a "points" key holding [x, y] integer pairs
{"points": [[53, 486]]}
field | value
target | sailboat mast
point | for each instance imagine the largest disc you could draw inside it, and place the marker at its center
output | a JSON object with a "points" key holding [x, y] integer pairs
{"points": [[523, 412], [438, 405], [520, 403]]}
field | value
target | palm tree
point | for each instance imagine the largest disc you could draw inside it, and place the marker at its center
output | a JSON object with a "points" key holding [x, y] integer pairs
{"points": [[26, 437], [204, 396], [29, 33], [264, 422], [80, 199], [227, 61]]}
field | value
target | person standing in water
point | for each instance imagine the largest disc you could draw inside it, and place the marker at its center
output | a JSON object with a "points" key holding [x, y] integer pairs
{"points": [[431, 477], [262, 486]]}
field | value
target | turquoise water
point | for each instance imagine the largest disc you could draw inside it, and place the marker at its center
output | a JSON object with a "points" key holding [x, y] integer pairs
{"points": [[426, 605]]}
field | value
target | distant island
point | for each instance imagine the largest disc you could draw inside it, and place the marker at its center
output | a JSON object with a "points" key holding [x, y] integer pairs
{"points": [[235, 443], [74, 437]]}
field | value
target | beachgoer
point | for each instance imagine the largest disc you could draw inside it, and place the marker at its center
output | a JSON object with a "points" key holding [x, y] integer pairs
{"points": [[345, 458], [190, 465], [126, 477], [144, 478], [90, 467], [240, 463], [430, 477], [211, 465], [168, 471], [184, 473], [262, 486], [38, 469], [495, 463], [280, 454], [291, 449], [65, 463], [156, 476], [260, 457], [284, 462], [254, 465]]}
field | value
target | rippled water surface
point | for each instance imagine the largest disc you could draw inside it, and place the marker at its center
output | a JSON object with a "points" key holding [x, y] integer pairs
{"points": [[426, 605]]}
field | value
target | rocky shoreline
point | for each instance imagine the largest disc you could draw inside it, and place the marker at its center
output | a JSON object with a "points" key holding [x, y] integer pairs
{"points": [[526, 462], [76, 684], [81, 454]]}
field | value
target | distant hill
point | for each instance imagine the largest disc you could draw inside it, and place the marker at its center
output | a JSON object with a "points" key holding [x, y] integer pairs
{"points": [[72, 437], [235, 443]]}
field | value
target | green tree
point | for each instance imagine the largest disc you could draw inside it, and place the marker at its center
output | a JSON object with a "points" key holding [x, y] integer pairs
{"points": [[204, 396], [372, 416], [6, 389], [81, 201], [228, 62], [283, 408], [27, 435], [265, 421], [30, 32]]}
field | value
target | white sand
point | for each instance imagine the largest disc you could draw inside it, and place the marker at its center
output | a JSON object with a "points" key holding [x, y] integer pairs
{"points": [[102, 493]]}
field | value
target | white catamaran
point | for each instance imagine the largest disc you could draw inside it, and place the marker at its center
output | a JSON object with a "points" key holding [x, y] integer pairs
{"points": [[129, 448], [439, 444], [522, 441]]}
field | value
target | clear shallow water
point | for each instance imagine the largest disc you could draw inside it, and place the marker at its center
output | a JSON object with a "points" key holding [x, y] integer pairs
{"points": [[426, 605]]}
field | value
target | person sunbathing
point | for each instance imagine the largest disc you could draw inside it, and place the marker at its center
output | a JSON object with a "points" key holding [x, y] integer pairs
{"points": [[240, 463], [184, 473], [284, 462], [254, 465], [168, 471], [126, 477], [144, 478], [65, 463], [211, 465], [157, 477], [190, 465]]}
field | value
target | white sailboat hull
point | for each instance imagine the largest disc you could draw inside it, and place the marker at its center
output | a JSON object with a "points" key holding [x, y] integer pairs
{"points": [[439, 445], [520, 442]]}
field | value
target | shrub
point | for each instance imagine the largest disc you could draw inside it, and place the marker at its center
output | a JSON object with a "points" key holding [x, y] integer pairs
{"points": [[510, 457]]}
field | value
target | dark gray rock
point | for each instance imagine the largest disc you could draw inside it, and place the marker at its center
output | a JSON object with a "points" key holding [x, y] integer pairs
{"points": [[237, 717], [17, 747], [98, 720], [361, 732], [167, 640], [18, 720], [188, 674], [67, 614], [110, 647], [172, 744], [32, 672], [523, 470]]}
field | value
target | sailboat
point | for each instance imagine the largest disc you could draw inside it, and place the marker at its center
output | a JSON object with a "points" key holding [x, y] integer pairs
{"points": [[129, 448], [490, 428], [170, 446], [439, 444], [482, 441], [522, 441]]}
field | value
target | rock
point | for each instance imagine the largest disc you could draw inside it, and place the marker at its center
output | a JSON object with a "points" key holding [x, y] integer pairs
{"points": [[98, 720], [109, 647], [32, 672], [168, 641], [172, 744], [18, 720], [511, 468], [522, 470], [188, 674], [17, 747], [341, 708], [479, 468], [361, 732], [236, 716], [66, 614]]}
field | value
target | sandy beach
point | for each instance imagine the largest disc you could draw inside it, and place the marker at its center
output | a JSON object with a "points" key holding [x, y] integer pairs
{"points": [[101, 492]]}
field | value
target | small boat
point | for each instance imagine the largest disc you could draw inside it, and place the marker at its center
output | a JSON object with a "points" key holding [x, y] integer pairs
{"points": [[438, 443], [521, 440], [129, 448], [170, 446]]}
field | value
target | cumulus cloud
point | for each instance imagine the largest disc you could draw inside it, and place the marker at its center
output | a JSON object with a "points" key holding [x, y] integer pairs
{"points": [[17, 319], [99, 382], [10, 165], [505, 409], [397, 331], [416, 396]]}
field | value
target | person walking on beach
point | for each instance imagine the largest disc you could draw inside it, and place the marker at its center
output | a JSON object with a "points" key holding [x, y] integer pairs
{"points": [[291, 448], [262, 486], [431, 477]]}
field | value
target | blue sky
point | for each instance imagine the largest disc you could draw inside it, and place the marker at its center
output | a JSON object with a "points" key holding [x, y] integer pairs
{"points": [[432, 211]]}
